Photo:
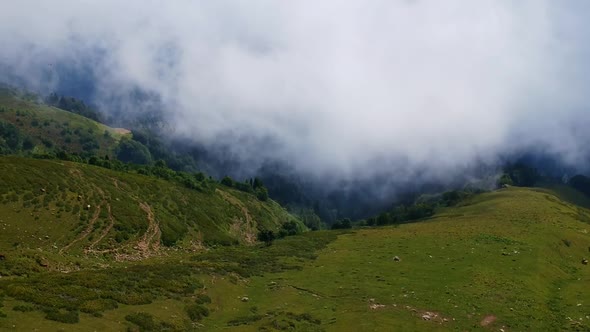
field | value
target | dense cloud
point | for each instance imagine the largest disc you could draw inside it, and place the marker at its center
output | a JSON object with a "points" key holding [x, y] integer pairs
{"points": [[338, 85]]}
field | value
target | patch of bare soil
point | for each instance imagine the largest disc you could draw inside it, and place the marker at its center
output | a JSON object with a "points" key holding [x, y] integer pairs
{"points": [[487, 320], [150, 241], [122, 131]]}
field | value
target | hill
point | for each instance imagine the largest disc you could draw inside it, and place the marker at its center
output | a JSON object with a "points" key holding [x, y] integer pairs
{"points": [[66, 208], [28, 125], [509, 259]]}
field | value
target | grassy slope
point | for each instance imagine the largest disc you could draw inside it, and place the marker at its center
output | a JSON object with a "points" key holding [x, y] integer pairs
{"points": [[514, 254], [503, 255], [61, 128], [43, 204]]}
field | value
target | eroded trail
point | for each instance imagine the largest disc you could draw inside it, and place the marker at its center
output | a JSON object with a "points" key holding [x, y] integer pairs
{"points": [[150, 241], [86, 231], [104, 232]]}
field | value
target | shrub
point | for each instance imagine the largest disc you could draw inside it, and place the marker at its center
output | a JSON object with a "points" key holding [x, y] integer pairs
{"points": [[23, 308], [68, 317], [245, 320], [262, 194], [202, 299], [144, 320], [196, 312]]}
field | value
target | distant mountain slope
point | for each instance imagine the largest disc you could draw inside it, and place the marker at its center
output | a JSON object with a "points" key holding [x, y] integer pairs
{"points": [[28, 125], [72, 208]]}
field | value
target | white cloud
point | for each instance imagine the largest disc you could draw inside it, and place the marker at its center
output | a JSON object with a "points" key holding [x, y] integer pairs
{"points": [[339, 83]]}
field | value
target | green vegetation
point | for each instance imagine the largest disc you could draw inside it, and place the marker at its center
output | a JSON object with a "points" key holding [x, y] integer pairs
{"points": [[509, 259], [253, 186], [30, 128], [424, 207], [81, 208], [90, 242]]}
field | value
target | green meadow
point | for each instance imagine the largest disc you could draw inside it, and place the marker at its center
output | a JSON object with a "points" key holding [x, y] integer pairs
{"points": [[506, 260]]}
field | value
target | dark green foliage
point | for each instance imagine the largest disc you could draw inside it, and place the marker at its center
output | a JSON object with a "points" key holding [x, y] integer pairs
{"points": [[96, 291], [266, 236], [245, 320], [451, 198], [23, 308], [73, 105], [249, 186], [68, 317], [262, 194], [289, 228], [196, 312], [402, 213], [581, 183], [521, 175], [227, 181], [304, 317], [342, 224], [10, 138], [172, 231], [202, 299], [505, 180], [130, 151], [308, 216], [143, 320]]}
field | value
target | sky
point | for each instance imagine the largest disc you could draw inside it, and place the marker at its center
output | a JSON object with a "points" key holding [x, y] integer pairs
{"points": [[341, 87]]}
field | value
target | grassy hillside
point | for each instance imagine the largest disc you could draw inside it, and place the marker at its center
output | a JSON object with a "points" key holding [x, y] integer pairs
{"points": [[71, 208], [44, 128], [510, 260]]}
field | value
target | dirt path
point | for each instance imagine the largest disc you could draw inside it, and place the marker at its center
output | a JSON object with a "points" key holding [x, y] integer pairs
{"points": [[244, 229], [86, 232], [105, 231], [151, 237]]}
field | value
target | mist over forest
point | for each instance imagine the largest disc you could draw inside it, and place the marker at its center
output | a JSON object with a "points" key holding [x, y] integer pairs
{"points": [[339, 102]]}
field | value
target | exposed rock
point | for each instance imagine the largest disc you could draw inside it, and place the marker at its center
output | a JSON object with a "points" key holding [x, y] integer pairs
{"points": [[397, 259], [43, 190], [245, 299], [376, 306], [585, 261]]}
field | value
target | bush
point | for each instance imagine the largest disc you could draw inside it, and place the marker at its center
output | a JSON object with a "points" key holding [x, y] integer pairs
{"points": [[130, 151], [144, 320], [23, 308], [196, 312], [202, 299], [245, 320], [68, 317], [342, 224], [262, 194], [227, 181]]}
